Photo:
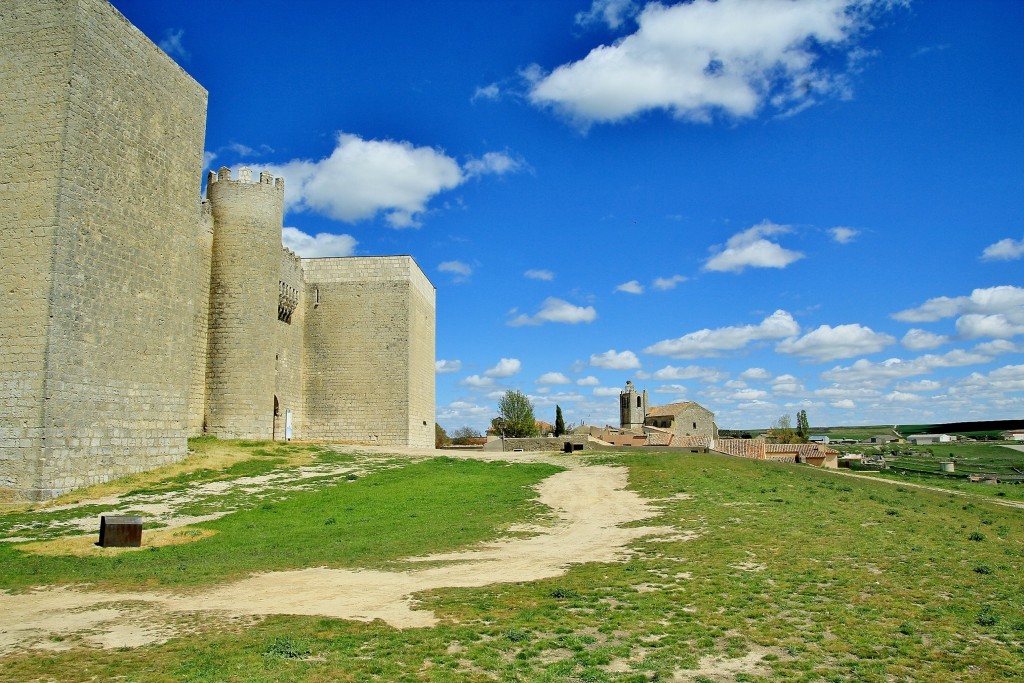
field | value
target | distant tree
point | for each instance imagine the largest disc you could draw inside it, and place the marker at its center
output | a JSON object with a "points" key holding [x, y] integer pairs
{"points": [[559, 421], [515, 410], [463, 435], [782, 431], [440, 437], [803, 427]]}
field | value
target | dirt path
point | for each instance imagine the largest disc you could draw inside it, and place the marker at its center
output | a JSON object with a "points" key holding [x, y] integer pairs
{"points": [[996, 501], [590, 504]]}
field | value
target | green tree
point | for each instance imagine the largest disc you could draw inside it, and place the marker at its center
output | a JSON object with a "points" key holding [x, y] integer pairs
{"points": [[559, 421], [440, 437], [463, 435], [515, 411], [803, 427], [782, 431]]}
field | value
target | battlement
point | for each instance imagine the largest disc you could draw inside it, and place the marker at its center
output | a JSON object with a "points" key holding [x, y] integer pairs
{"points": [[223, 174]]}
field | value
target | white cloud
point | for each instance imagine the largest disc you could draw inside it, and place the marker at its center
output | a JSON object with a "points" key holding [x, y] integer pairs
{"points": [[919, 340], [750, 249], [1004, 250], [748, 395], [671, 372], [506, 367], [778, 325], [173, 44], [920, 385], [631, 287], [867, 372], [208, 158], [844, 404], [546, 275], [997, 325], [614, 360], [463, 270], [555, 310], [830, 343], [755, 374], [606, 391], [787, 385], [843, 235], [666, 283], [477, 381], [675, 389], [902, 397], [588, 381], [486, 92], [362, 178], [698, 59], [324, 244], [1004, 380], [443, 367], [1005, 299], [493, 163], [613, 13], [553, 378]]}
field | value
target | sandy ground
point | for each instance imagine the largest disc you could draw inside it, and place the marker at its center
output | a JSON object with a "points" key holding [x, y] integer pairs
{"points": [[589, 504]]}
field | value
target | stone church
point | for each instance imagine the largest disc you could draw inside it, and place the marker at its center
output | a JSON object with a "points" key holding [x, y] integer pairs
{"points": [[137, 313]]}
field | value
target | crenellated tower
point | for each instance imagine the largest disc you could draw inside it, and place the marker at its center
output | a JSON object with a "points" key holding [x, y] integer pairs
{"points": [[244, 293], [632, 407]]}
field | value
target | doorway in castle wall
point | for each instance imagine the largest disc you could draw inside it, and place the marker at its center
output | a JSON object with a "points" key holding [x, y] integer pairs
{"points": [[277, 414]]}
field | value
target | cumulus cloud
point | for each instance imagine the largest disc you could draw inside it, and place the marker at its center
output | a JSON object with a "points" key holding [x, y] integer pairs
{"points": [[477, 382], [867, 372], [606, 391], [830, 343], [631, 287], [458, 268], [755, 374], [787, 385], [675, 389], [1005, 299], [997, 325], [845, 403], [486, 92], [555, 310], [612, 13], [588, 381], [545, 275], [553, 378], [665, 283], [671, 372], [706, 342], [506, 367], [843, 235], [750, 248], [362, 178], [1004, 250], [443, 367], [493, 163], [919, 340], [699, 59], [324, 244], [614, 360]]}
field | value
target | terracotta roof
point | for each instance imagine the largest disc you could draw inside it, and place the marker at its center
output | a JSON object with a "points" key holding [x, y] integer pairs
{"points": [[659, 438], [672, 409], [805, 449], [694, 441], [741, 448]]}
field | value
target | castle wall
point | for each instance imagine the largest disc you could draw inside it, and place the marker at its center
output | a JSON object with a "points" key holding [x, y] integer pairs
{"points": [[288, 371], [119, 135], [244, 279], [200, 322], [365, 374], [36, 53]]}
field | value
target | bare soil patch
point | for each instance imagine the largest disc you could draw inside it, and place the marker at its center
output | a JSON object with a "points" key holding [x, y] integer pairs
{"points": [[590, 505]]}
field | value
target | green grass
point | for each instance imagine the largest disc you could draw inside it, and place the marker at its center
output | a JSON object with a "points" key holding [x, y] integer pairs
{"points": [[436, 505], [837, 579]]}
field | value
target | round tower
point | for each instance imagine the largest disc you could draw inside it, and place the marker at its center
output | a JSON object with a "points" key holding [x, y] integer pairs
{"points": [[632, 407], [244, 277]]}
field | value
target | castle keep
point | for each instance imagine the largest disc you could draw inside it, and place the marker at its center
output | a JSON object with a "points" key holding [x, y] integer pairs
{"points": [[137, 314]]}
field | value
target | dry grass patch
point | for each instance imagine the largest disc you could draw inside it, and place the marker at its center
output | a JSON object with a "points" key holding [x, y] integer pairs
{"points": [[85, 546]]}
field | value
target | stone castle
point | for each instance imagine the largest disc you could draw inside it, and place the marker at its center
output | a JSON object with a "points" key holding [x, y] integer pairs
{"points": [[137, 314]]}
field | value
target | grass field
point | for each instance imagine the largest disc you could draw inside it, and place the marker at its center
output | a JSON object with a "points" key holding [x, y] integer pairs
{"points": [[792, 573]]}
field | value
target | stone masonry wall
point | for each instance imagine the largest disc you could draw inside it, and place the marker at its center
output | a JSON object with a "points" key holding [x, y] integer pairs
{"points": [[35, 51], [243, 304], [116, 359], [288, 373], [200, 322], [360, 374]]}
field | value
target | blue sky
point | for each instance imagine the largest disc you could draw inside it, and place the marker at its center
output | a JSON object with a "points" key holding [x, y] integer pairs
{"points": [[759, 205]]}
